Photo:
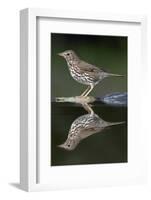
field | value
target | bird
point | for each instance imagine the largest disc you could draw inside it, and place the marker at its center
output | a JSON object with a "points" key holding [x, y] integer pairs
{"points": [[83, 72], [85, 126]]}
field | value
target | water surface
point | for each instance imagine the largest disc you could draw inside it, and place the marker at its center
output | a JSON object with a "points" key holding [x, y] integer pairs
{"points": [[108, 146]]}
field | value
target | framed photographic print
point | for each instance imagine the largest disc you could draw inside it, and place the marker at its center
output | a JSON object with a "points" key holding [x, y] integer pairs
{"points": [[80, 99]]}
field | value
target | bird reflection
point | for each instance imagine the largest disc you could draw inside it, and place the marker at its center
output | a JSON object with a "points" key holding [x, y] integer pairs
{"points": [[85, 126]]}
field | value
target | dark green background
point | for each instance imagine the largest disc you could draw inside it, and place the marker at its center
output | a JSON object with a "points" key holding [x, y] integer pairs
{"points": [[104, 51], [108, 52]]}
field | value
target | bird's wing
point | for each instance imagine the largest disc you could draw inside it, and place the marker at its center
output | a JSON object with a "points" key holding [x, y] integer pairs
{"points": [[89, 68], [86, 132]]}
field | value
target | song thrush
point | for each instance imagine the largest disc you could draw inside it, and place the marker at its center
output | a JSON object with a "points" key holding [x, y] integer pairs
{"points": [[83, 127], [84, 72]]}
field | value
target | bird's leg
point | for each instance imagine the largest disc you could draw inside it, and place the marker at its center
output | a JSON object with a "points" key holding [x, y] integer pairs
{"points": [[88, 108], [83, 94], [88, 91]]}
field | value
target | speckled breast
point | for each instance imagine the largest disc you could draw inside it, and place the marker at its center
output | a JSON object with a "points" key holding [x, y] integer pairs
{"points": [[83, 77]]}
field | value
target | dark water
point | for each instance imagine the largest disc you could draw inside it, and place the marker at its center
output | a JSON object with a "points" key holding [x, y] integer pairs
{"points": [[108, 146]]}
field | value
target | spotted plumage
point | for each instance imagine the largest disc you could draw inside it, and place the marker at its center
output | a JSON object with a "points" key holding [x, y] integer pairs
{"points": [[84, 72], [83, 127]]}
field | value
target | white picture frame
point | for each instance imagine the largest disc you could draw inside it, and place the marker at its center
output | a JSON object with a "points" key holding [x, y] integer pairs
{"points": [[30, 168]]}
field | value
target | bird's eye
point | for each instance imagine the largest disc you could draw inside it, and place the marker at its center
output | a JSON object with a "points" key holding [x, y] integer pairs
{"points": [[68, 54]]}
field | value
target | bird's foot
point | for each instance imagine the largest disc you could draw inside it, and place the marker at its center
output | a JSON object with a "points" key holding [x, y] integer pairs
{"points": [[76, 99]]}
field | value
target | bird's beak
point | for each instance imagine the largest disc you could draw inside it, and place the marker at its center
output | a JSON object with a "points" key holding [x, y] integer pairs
{"points": [[61, 146], [60, 54]]}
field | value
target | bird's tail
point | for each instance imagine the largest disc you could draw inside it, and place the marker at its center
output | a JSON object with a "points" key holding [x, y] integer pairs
{"points": [[119, 75], [116, 123]]}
